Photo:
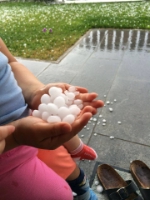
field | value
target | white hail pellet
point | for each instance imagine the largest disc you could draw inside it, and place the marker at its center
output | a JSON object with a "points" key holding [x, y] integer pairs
{"points": [[45, 116], [36, 113], [74, 109], [99, 189], [52, 109], [55, 91], [42, 107], [69, 119], [70, 95], [72, 89], [80, 106], [59, 101], [110, 109], [96, 183], [63, 112], [94, 119], [111, 137], [78, 101], [59, 106], [45, 99], [76, 93], [52, 119], [68, 102]]}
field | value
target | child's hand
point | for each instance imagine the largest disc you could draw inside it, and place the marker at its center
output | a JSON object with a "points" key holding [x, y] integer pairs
{"points": [[87, 98], [35, 132], [4, 132]]}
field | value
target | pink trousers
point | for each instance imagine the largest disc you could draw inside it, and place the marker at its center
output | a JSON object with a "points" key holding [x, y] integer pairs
{"points": [[23, 176]]}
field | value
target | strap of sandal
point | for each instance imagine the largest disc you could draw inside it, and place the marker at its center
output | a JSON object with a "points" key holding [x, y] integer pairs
{"points": [[145, 193], [124, 192]]}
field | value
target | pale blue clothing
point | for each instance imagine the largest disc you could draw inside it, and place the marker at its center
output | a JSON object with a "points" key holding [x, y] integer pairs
{"points": [[12, 103]]}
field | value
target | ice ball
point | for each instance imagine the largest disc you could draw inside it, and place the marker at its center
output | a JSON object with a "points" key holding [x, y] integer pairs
{"points": [[78, 101], [63, 112], [45, 98], [70, 95], [80, 106], [36, 113], [74, 109], [52, 119], [42, 107], [72, 89], [59, 101], [45, 116], [99, 189], [55, 91], [69, 119], [52, 109]]}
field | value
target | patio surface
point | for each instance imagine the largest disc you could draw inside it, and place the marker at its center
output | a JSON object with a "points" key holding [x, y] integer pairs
{"points": [[116, 65]]}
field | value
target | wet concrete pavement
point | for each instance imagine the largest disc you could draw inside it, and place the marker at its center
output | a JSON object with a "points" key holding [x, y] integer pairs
{"points": [[116, 65]]}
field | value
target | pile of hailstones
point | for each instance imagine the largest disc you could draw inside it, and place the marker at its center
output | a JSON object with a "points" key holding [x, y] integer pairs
{"points": [[59, 106]]}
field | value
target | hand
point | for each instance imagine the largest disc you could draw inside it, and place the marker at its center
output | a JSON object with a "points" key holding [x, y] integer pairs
{"points": [[87, 98], [35, 132], [4, 132]]}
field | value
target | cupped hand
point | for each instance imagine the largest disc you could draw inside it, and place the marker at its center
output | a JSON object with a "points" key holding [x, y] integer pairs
{"points": [[89, 99], [35, 132]]}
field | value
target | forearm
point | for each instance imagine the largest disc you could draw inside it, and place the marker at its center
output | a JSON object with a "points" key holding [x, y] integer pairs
{"points": [[26, 80]]}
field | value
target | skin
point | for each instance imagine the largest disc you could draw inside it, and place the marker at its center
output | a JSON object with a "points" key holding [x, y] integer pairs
{"points": [[33, 131], [5, 131]]}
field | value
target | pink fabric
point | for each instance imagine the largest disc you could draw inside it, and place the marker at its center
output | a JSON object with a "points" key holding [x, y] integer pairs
{"points": [[25, 177]]}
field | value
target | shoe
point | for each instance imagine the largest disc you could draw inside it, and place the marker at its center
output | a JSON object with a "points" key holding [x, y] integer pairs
{"points": [[141, 175], [87, 153], [114, 185]]}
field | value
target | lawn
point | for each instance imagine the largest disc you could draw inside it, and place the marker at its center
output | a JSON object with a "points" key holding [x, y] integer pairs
{"points": [[46, 31]]}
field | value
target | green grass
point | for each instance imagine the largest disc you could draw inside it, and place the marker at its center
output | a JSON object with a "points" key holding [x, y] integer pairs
{"points": [[21, 24]]}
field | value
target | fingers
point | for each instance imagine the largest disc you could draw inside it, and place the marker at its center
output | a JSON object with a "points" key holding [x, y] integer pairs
{"points": [[77, 126], [95, 104], [80, 122], [87, 97], [6, 131], [81, 89], [88, 108]]}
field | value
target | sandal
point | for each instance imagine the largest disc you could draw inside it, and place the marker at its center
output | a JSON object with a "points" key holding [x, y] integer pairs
{"points": [[115, 187], [141, 174]]}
